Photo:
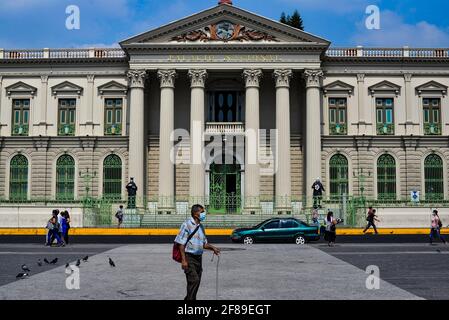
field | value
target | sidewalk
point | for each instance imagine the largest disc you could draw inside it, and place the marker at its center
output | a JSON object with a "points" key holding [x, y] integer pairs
{"points": [[173, 232]]}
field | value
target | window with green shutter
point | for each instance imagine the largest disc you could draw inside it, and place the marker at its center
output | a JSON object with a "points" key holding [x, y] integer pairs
{"points": [[386, 177], [434, 177], [385, 116], [432, 116], [66, 117], [65, 178], [20, 117], [112, 177], [338, 170], [18, 178], [113, 114], [338, 116]]}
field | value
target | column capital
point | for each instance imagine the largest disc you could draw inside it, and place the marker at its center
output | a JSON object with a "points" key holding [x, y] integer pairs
{"points": [[313, 77], [90, 78], [360, 77], [44, 78], [282, 77], [408, 77], [197, 78], [167, 78], [252, 77], [136, 78]]}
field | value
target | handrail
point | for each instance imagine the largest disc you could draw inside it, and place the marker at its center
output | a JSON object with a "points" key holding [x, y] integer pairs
{"points": [[33, 54]]}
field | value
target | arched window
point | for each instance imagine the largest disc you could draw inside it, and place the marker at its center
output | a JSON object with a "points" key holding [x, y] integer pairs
{"points": [[112, 177], [65, 178], [386, 177], [338, 169], [433, 177], [18, 178]]}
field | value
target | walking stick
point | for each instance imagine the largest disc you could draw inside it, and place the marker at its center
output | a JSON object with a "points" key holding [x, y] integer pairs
{"points": [[216, 276]]}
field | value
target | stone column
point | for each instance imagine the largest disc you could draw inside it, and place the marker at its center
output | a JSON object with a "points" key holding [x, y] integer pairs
{"points": [[167, 123], [89, 119], [137, 150], [283, 160], [197, 169], [412, 115], [313, 128], [252, 170]]}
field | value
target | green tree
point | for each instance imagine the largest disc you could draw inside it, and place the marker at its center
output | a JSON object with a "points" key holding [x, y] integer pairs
{"points": [[294, 20]]}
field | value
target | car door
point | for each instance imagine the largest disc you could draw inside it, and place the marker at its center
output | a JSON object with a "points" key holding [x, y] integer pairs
{"points": [[289, 228], [270, 231]]}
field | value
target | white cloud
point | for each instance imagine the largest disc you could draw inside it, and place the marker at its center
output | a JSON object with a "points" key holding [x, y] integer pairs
{"points": [[395, 32]]}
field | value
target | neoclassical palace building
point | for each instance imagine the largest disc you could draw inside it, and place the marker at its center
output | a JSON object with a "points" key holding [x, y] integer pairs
{"points": [[226, 108]]}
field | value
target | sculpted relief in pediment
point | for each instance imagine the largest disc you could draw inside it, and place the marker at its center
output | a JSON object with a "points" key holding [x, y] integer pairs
{"points": [[224, 31]]}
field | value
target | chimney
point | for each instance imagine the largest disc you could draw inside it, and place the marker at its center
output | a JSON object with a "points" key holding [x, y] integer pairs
{"points": [[229, 2]]}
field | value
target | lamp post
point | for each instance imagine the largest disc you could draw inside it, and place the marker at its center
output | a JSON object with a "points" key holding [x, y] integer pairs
{"points": [[87, 180]]}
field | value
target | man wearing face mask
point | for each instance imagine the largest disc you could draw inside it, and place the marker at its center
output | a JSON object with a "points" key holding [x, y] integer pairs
{"points": [[192, 242]]}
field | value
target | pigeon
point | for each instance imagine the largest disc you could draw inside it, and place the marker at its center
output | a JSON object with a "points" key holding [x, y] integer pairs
{"points": [[85, 258], [78, 263], [22, 275], [438, 250], [25, 268], [54, 261], [67, 265], [111, 263], [39, 262], [46, 261]]}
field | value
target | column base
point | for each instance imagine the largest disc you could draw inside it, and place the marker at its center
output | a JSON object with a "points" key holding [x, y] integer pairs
{"points": [[283, 210]]}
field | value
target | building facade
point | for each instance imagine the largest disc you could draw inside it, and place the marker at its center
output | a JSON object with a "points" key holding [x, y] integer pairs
{"points": [[225, 108]]}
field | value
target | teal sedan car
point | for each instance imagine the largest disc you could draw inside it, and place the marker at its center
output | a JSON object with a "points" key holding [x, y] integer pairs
{"points": [[278, 230]]}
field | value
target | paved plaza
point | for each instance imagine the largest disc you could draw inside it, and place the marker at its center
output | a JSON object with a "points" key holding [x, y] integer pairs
{"points": [[258, 272]]}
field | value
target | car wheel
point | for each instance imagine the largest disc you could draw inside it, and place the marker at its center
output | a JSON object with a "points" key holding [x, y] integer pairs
{"points": [[300, 240], [248, 240]]}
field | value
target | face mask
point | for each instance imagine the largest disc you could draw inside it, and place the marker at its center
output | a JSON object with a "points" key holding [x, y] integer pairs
{"points": [[203, 216]]}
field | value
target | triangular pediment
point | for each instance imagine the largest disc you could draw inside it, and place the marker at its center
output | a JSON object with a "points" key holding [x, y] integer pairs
{"points": [[385, 86], [112, 88], [432, 87], [20, 88], [67, 87], [338, 87], [225, 24]]}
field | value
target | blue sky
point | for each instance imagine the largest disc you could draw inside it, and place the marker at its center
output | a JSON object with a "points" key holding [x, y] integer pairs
{"points": [[41, 23]]}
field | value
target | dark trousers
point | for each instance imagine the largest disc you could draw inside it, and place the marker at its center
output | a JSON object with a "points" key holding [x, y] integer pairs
{"points": [[193, 275], [436, 232], [131, 202], [370, 224], [317, 201]]}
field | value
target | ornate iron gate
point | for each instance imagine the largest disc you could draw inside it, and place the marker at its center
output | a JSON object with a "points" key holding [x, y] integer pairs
{"points": [[225, 189]]}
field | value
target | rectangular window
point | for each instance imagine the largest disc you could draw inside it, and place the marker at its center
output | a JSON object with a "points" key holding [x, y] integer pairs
{"points": [[432, 116], [21, 117], [67, 114], [385, 116], [113, 116], [337, 116]]}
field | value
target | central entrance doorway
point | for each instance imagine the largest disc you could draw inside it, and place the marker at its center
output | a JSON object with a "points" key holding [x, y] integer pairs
{"points": [[225, 189]]}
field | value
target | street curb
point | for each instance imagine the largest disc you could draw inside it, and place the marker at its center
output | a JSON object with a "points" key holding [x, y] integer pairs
{"points": [[174, 232]]}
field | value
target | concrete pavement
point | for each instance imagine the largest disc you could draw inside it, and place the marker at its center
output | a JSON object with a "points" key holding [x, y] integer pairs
{"points": [[258, 272]]}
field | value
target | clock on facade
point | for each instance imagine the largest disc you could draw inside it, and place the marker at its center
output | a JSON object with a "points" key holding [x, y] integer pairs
{"points": [[225, 30]]}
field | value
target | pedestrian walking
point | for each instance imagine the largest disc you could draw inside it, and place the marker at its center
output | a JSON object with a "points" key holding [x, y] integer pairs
{"points": [[192, 242], [65, 222], [435, 228], [330, 234], [53, 232], [318, 190], [119, 216], [315, 217], [371, 218], [131, 188]]}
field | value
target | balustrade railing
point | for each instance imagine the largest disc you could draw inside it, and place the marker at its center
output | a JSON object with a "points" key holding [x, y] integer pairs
{"points": [[27, 54], [388, 52], [225, 128]]}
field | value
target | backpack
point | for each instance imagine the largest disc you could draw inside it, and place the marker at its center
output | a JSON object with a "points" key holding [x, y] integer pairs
{"points": [[176, 252]]}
